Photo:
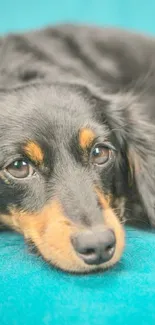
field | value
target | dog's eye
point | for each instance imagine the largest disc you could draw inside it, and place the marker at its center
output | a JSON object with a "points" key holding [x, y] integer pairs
{"points": [[101, 154], [20, 169]]}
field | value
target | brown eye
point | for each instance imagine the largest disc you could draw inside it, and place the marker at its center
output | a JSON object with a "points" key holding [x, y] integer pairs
{"points": [[20, 169], [101, 154]]}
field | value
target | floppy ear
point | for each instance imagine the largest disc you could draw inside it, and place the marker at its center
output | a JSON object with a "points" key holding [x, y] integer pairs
{"points": [[142, 173], [135, 135], [142, 166]]}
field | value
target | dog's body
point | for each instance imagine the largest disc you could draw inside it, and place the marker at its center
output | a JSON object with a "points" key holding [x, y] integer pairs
{"points": [[77, 140]]}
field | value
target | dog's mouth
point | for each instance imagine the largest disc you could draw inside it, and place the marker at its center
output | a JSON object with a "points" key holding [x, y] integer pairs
{"points": [[81, 250], [70, 247]]}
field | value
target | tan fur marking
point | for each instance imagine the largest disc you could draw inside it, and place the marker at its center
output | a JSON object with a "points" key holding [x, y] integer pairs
{"points": [[86, 137], [51, 232], [111, 221], [33, 150], [103, 200]]}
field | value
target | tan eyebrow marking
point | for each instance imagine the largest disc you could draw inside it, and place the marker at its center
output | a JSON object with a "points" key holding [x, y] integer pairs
{"points": [[34, 151], [86, 137]]}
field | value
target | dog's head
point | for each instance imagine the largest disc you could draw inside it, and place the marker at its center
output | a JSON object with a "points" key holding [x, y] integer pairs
{"points": [[65, 157]]}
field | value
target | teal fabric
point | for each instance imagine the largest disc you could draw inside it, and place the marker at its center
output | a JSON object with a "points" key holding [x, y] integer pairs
{"points": [[32, 293]]}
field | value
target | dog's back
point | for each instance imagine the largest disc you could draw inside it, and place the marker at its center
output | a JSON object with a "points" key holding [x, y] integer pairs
{"points": [[109, 58]]}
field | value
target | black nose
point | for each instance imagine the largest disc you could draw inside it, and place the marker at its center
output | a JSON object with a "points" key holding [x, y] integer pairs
{"points": [[95, 247]]}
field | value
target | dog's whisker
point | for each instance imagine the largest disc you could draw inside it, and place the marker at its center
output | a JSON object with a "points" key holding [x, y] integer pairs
{"points": [[138, 219]]}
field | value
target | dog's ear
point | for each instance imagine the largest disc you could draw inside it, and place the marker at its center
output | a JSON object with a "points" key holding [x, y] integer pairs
{"points": [[134, 133], [141, 169]]}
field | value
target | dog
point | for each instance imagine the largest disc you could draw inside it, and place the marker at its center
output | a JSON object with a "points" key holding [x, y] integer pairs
{"points": [[77, 141]]}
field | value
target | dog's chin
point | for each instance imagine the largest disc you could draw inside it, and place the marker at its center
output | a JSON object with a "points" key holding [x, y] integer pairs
{"points": [[55, 246], [83, 269], [60, 254], [71, 263]]}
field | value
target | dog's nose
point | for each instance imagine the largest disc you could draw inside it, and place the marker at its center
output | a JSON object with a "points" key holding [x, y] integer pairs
{"points": [[95, 247]]}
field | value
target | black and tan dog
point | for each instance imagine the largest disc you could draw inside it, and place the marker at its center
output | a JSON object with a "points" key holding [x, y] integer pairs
{"points": [[77, 141]]}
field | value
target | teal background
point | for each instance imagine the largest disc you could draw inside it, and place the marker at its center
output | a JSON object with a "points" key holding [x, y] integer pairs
{"points": [[31, 292], [25, 14]]}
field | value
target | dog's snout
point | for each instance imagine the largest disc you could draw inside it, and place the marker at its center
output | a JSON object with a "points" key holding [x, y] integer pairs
{"points": [[95, 247]]}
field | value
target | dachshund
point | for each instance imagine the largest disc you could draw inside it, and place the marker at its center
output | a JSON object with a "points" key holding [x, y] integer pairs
{"points": [[77, 141]]}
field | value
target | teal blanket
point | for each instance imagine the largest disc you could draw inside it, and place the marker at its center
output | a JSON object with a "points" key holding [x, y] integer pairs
{"points": [[33, 293]]}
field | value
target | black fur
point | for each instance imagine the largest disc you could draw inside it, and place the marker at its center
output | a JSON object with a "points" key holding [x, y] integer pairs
{"points": [[55, 81]]}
